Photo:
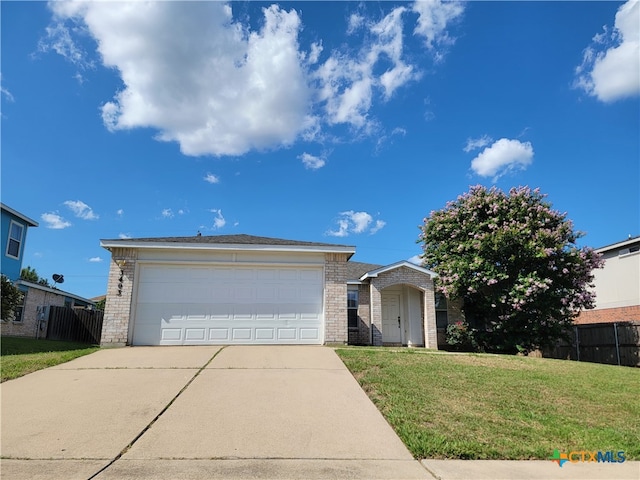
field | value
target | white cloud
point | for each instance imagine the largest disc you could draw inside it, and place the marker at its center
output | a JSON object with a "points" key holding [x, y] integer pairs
{"points": [[355, 22], [81, 210], [124, 235], [347, 85], [610, 68], [7, 94], [211, 178], [377, 226], [199, 77], [120, 212], [54, 221], [383, 139], [476, 143], [355, 222], [169, 213], [218, 219], [502, 157], [312, 162], [95, 259], [59, 39], [217, 85], [434, 16]]}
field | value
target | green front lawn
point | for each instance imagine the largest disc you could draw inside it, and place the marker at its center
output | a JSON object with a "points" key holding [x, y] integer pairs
{"points": [[25, 355], [476, 406]]}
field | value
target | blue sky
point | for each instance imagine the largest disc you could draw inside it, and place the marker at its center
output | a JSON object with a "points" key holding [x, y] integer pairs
{"points": [[344, 122]]}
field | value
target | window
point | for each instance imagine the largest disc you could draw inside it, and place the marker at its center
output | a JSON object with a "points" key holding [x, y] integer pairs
{"points": [[352, 308], [19, 311], [15, 240], [629, 251], [442, 317]]}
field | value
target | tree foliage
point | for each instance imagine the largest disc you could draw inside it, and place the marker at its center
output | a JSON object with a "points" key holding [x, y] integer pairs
{"points": [[11, 298], [514, 262], [30, 275], [100, 304]]}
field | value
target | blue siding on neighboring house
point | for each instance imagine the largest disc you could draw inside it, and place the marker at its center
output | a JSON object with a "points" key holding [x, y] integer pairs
{"points": [[13, 236]]}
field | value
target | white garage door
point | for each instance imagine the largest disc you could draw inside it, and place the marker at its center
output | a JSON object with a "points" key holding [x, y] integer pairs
{"points": [[191, 305]]}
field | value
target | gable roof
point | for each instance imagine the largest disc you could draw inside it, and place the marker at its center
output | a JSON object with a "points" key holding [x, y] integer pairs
{"points": [[403, 263], [355, 270], [24, 218], [228, 242]]}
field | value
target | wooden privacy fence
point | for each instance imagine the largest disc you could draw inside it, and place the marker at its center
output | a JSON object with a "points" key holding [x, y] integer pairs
{"points": [[75, 325], [614, 343]]}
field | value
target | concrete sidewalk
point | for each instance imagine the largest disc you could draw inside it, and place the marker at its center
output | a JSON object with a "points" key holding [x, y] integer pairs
{"points": [[529, 470], [271, 412]]}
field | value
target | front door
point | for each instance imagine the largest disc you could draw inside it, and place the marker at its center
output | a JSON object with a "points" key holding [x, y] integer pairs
{"points": [[391, 319]]}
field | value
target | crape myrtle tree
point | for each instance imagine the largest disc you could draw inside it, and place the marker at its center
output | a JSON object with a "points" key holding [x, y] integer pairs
{"points": [[514, 262]]}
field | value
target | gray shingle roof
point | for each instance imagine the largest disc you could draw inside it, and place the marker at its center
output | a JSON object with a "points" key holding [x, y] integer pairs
{"points": [[240, 239], [356, 269]]}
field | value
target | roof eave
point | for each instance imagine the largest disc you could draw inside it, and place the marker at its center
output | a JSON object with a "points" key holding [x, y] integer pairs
{"points": [[29, 221], [393, 266], [615, 246], [55, 291], [108, 244]]}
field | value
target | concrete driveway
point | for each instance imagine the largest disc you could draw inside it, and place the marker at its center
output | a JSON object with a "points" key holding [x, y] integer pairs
{"points": [[198, 412]]}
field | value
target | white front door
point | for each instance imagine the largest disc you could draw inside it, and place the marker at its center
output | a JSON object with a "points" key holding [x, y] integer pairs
{"points": [[391, 319]]}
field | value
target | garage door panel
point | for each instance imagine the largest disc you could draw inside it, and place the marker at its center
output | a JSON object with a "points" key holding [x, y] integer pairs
{"points": [[172, 334], [309, 334], [265, 333], [311, 276], [179, 305], [287, 334]]}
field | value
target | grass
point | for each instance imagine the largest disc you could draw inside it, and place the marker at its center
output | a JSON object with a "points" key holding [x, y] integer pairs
{"points": [[21, 356], [474, 406]]}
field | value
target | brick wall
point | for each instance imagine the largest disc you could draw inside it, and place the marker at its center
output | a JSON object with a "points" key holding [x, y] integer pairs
{"points": [[609, 315], [117, 312], [413, 278], [335, 298], [29, 325]]}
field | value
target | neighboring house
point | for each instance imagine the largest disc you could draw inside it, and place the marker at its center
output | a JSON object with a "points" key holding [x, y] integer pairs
{"points": [[243, 289], [30, 317], [617, 285], [14, 235]]}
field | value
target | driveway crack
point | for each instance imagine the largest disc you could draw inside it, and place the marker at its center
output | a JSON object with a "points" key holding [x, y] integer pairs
{"points": [[155, 419]]}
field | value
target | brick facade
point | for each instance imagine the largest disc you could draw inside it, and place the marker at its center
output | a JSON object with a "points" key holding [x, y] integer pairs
{"points": [[117, 312], [402, 276], [609, 315], [35, 300], [122, 270], [335, 298]]}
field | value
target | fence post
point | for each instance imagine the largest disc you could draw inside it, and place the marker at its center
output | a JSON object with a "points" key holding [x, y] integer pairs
{"points": [[615, 334], [577, 341]]}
